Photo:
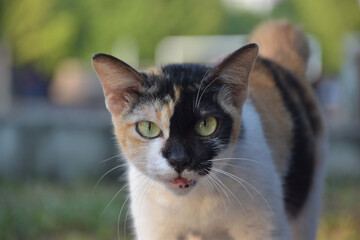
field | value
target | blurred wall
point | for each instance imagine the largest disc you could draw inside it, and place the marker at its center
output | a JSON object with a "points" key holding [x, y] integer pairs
{"points": [[40, 140]]}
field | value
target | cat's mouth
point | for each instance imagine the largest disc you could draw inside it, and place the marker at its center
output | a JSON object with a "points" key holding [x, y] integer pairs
{"points": [[181, 183]]}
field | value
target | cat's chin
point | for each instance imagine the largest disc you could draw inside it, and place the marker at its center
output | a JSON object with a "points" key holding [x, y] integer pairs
{"points": [[180, 185]]}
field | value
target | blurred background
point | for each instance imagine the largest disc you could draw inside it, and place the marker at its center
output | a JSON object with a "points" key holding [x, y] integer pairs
{"points": [[58, 159]]}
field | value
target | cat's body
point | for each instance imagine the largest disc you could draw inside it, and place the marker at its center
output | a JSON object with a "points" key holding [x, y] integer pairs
{"points": [[257, 174]]}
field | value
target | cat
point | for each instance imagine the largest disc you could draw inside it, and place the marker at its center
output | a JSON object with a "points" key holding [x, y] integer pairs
{"points": [[226, 151]]}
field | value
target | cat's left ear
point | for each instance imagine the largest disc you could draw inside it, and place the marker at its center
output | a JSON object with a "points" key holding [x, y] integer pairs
{"points": [[119, 81], [234, 71]]}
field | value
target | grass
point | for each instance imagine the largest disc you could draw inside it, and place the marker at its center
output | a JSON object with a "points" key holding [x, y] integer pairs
{"points": [[44, 210], [340, 218]]}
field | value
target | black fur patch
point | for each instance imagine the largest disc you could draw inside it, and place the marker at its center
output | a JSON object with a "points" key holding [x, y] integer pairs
{"points": [[183, 75], [299, 178], [192, 150]]}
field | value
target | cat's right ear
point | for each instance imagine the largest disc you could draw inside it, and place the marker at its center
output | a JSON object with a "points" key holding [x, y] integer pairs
{"points": [[119, 81]]}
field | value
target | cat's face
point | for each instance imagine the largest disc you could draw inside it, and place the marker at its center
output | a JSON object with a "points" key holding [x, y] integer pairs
{"points": [[171, 123]]}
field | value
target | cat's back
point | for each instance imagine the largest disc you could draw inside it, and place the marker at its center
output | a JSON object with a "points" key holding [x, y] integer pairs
{"points": [[287, 108]]}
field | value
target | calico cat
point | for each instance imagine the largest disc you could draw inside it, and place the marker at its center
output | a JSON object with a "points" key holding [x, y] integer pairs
{"points": [[231, 151]]}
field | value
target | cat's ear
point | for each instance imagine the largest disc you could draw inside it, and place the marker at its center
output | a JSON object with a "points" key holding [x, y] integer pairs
{"points": [[119, 81], [234, 71]]}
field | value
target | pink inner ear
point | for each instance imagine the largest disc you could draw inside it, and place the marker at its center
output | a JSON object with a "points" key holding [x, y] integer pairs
{"points": [[234, 71], [118, 80], [115, 103], [117, 100]]}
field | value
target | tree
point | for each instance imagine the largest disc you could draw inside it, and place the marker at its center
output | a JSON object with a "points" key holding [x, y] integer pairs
{"points": [[329, 21], [42, 32]]}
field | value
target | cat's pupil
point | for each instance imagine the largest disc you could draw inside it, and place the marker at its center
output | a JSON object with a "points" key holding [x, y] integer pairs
{"points": [[149, 126], [203, 123]]}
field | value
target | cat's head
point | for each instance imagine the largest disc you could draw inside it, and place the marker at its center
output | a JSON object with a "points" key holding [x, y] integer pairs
{"points": [[173, 121]]}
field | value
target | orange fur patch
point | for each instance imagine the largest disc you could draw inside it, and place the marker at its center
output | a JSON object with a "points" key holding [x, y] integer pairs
{"points": [[132, 144], [276, 120], [154, 70], [283, 43]]}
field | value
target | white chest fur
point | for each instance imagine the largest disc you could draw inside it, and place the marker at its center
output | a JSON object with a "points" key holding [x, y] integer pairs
{"points": [[240, 199]]}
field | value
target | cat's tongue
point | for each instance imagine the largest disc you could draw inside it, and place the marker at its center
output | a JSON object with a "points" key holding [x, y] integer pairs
{"points": [[181, 182]]}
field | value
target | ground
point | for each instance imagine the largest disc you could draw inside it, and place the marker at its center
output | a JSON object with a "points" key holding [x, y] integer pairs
{"points": [[48, 210]]}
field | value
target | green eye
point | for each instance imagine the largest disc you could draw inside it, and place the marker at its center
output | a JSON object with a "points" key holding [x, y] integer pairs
{"points": [[206, 126], [148, 129]]}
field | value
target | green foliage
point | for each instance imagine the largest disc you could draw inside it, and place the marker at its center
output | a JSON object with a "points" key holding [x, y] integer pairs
{"points": [[37, 33], [241, 22], [330, 21], [43, 210], [285, 10], [42, 32], [146, 21]]}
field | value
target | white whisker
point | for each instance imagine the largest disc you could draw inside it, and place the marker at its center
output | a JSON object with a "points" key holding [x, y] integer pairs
{"points": [[207, 184], [110, 158], [118, 221], [127, 214], [266, 202], [213, 181], [102, 213], [256, 190], [147, 187], [114, 168], [199, 88], [198, 103], [230, 175], [243, 159], [228, 164], [241, 205]]}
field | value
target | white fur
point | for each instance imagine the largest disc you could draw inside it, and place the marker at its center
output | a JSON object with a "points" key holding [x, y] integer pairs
{"points": [[157, 165], [248, 208]]}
